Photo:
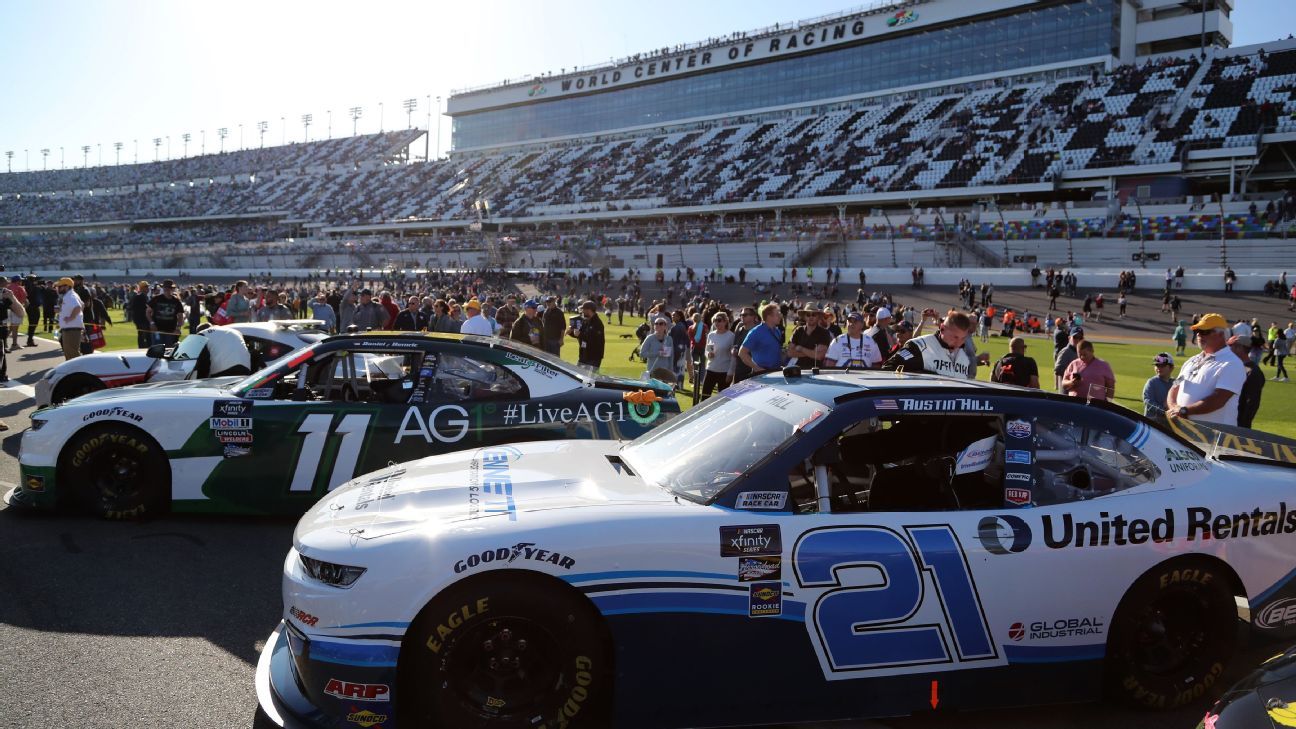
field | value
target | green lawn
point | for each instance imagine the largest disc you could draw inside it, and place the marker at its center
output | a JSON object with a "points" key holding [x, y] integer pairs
{"points": [[1132, 363]]}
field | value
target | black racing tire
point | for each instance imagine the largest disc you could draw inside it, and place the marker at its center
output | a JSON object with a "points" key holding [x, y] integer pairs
{"points": [[115, 471], [507, 650], [1172, 635], [75, 385]]}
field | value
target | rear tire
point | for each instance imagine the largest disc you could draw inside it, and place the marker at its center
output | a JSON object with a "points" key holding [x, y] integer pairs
{"points": [[1172, 635], [115, 471], [509, 650], [75, 386]]}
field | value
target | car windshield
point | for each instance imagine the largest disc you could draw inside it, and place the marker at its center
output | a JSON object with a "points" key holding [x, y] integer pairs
{"points": [[698, 455], [287, 364], [190, 348]]}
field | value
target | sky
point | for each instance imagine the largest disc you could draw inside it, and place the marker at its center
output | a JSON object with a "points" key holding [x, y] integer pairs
{"points": [[94, 72]]}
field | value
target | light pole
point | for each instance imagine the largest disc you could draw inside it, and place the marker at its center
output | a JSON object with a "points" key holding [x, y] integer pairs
{"points": [[85, 156], [99, 151], [44, 159], [26, 160], [283, 131], [241, 136], [117, 146], [356, 112], [262, 126], [330, 123], [410, 105], [168, 138], [9, 159], [438, 123], [222, 133], [186, 137], [136, 151], [63, 161], [204, 142], [306, 122], [157, 146], [427, 137]]}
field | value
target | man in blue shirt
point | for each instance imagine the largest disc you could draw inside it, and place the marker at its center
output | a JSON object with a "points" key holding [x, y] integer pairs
{"points": [[1158, 388], [762, 349]]}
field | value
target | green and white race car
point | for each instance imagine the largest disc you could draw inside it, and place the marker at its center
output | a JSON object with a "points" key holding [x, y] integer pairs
{"points": [[276, 441]]}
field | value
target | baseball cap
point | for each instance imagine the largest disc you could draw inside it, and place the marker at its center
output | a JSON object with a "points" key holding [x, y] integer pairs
{"points": [[749, 310], [168, 283], [1077, 331], [15, 278], [531, 304], [473, 304], [65, 281], [904, 326], [1211, 321], [366, 292], [884, 313], [1238, 339], [661, 320], [855, 316], [1163, 359], [587, 304]]}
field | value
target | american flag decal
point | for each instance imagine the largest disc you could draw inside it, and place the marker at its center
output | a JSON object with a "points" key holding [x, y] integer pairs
{"points": [[886, 405]]}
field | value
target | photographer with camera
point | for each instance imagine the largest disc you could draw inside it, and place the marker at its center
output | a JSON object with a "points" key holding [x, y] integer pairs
{"points": [[587, 328]]}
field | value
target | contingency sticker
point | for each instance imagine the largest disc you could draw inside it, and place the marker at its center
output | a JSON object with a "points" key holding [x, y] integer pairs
{"points": [[231, 423], [766, 599], [751, 569], [976, 456], [750, 541], [761, 500]]}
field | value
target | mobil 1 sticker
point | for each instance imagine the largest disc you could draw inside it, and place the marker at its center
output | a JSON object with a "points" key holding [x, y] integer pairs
{"points": [[751, 541]]}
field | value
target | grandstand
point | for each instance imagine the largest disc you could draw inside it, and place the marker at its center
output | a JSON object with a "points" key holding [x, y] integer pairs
{"points": [[1104, 139]]}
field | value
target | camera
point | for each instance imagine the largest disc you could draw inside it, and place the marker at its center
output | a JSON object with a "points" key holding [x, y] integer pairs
{"points": [[575, 322]]}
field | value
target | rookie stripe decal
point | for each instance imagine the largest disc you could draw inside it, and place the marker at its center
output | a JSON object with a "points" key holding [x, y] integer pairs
{"points": [[688, 602]]}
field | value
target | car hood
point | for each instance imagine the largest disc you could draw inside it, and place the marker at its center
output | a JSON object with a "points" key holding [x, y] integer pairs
{"points": [[120, 360], [494, 485], [211, 387]]}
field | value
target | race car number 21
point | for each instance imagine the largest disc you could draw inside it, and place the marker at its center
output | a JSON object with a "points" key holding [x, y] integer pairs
{"points": [[883, 616]]}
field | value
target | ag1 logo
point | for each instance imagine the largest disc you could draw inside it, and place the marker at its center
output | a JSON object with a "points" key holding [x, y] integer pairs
{"points": [[1004, 534]]}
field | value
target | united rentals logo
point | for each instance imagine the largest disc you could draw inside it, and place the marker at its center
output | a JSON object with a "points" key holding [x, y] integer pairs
{"points": [[1004, 534], [904, 17]]}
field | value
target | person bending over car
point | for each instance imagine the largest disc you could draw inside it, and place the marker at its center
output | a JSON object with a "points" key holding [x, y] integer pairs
{"points": [[941, 353]]}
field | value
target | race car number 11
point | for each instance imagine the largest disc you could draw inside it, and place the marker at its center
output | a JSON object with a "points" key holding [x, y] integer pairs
{"points": [[873, 627]]}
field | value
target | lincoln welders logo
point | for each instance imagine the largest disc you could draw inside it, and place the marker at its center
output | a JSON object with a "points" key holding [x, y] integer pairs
{"points": [[903, 17], [1004, 534]]}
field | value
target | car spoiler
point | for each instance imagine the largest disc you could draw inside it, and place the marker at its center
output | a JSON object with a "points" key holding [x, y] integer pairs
{"points": [[1230, 442]]}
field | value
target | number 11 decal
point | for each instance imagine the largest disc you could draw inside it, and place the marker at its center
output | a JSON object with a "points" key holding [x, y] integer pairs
{"points": [[316, 429], [876, 625]]}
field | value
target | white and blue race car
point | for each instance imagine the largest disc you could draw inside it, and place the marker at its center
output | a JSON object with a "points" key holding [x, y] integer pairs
{"points": [[800, 548]]}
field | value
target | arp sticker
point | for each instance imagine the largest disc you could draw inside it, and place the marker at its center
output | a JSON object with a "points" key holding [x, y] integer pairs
{"points": [[751, 541], [766, 599], [761, 500], [751, 569]]}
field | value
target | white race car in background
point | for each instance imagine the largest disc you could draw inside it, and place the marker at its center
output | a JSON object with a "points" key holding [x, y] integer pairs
{"points": [[212, 352]]}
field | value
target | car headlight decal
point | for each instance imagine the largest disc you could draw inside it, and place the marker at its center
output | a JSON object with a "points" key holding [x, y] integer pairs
{"points": [[337, 575]]}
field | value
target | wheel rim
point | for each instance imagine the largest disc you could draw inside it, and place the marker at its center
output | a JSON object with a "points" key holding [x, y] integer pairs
{"points": [[115, 475], [1172, 632], [504, 667]]}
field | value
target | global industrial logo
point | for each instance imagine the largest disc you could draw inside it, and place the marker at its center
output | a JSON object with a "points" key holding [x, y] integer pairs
{"points": [[904, 17]]}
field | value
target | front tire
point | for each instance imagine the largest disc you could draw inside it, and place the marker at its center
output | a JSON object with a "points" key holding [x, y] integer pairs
{"points": [[75, 386], [1172, 635], [509, 650], [115, 471]]}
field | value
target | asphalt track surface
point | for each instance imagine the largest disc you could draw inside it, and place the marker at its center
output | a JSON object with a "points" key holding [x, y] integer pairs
{"points": [[159, 624]]}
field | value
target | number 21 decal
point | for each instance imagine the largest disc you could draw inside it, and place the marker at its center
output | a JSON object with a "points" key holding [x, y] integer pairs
{"points": [[864, 622]]}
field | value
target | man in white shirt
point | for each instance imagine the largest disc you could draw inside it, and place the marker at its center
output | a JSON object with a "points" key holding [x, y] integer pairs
{"points": [[854, 348], [1207, 388], [71, 323], [476, 323]]}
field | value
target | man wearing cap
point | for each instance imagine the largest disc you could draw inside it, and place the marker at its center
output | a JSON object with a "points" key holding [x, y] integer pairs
{"points": [[880, 332], [164, 314], [747, 321], [809, 341], [70, 321], [553, 324], [1157, 388], [1067, 355], [476, 323], [138, 306], [368, 314], [589, 334], [528, 327], [1015, 368], [1249, 397], [853, 349], [657, 349], [1208, 384]]}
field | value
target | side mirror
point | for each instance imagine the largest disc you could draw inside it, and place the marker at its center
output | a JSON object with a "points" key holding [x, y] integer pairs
{"points": [[157, 351]]}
